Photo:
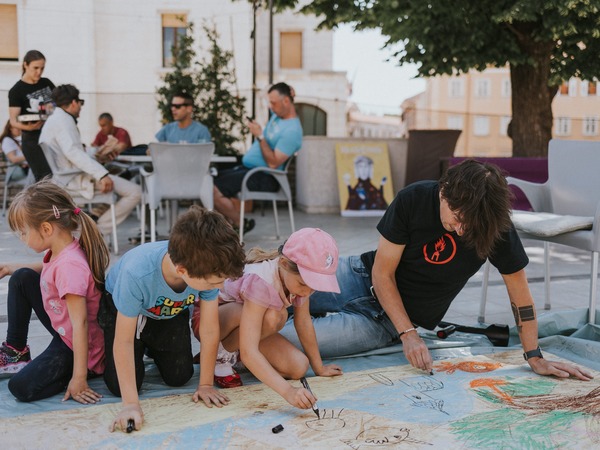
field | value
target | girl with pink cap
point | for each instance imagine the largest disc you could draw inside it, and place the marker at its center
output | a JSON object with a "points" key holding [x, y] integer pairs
{"points": [[254, 309]]}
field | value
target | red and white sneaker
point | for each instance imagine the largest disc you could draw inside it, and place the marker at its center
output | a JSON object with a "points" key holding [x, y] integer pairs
{"points": [[229, 381]]}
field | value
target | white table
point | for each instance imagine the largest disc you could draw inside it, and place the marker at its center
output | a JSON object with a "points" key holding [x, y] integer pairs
{"points": [[141, 159], [148, 159]]}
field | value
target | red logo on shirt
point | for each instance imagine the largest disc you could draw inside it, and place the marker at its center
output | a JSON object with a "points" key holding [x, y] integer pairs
{"points": [[441, 251]]}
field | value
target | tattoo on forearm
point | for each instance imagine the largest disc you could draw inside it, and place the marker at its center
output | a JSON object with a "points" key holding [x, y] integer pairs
{"points": [[523, 313], [527, 313]]}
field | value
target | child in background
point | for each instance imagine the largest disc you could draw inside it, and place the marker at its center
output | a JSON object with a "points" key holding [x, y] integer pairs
{"points": [[146, 306], [254, 309], [64, 291]]}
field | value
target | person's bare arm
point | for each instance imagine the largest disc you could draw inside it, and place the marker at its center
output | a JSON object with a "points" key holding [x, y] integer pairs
{"points": [[14, 112], [273, 157], [125, 365], [387, 259], [523, 307], [10, 268]]}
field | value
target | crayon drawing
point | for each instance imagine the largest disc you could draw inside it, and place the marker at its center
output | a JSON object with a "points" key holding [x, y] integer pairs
{"points": [[469, 403]]}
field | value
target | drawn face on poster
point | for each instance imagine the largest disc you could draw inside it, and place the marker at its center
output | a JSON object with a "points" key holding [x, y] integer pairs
{"points": [[369, 191]]}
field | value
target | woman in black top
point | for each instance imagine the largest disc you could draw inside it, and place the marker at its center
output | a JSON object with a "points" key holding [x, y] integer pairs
{"points": [[31, 95]]}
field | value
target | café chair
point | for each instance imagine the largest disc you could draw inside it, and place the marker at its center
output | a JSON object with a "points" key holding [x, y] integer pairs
{"points": [[180, 172], [283, 193], [566, 210]]}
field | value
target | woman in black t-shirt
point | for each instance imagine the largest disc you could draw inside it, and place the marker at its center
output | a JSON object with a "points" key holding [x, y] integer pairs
{"points": [[31, 95]]}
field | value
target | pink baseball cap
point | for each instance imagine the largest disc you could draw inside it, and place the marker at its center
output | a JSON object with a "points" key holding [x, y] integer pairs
{"points": [[316, 255]]}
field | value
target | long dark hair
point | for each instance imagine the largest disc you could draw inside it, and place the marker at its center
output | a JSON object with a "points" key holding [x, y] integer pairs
{"points": [[31, 55], [7, 133]]}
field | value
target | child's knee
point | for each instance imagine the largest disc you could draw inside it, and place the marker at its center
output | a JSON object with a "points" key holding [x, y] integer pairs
{"points": [[299, 367], [23, 277]]}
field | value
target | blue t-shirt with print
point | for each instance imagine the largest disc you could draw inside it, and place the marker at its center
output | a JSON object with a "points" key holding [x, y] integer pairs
{"points": [[138, 286], [284, 135], [195, 133]]}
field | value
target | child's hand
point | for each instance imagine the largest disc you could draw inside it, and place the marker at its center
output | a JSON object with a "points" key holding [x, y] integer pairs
{"points": [[210, 396], [300, 397], [330, 370], [131, 411], [81, 392]]}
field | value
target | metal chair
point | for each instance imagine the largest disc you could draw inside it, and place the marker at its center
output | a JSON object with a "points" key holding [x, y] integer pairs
{"points": [[180, 171], [567, 207], [99, 197], [283, 193]]}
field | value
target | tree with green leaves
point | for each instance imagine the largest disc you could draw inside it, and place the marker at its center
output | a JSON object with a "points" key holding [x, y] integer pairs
{"points": [[212, 83], [543, 42]]}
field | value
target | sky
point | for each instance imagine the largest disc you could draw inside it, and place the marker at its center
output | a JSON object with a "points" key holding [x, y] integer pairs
{"points": [[379, 87]]}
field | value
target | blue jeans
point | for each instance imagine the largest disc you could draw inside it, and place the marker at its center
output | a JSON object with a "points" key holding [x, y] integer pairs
{"points": [[355, 322]]}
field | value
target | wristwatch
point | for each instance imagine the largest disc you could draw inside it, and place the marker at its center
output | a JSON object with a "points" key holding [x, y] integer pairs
{"points": [[261, 137], [537, 353]]}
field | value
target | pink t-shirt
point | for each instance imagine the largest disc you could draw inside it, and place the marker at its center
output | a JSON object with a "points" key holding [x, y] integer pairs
{"points": [[69, 273], [260, 284]]}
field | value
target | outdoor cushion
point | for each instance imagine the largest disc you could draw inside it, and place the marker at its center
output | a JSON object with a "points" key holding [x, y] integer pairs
{"points": [[548, 224]]}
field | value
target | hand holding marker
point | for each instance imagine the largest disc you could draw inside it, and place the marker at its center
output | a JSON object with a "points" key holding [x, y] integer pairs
{"points": [[315, 408]]}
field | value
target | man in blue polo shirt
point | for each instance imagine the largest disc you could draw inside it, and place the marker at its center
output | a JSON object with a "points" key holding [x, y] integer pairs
{"points": [[280, 139]]}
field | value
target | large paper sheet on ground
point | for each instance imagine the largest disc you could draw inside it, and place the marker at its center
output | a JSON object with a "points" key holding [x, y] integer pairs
{"points": [[469, 403]]}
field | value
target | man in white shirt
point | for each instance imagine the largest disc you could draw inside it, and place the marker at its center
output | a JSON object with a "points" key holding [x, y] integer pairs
{"points": [[61, 134]]}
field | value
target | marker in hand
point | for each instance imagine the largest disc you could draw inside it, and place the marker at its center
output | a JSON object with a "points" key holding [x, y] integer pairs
{"points": [[315, 408], [130, 425]]}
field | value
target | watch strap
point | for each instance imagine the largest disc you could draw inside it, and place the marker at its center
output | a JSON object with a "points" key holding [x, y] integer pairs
{"points": [[536, 353]]}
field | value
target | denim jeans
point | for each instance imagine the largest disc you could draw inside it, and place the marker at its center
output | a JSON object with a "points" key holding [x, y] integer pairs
{"points": [[355, 321]]}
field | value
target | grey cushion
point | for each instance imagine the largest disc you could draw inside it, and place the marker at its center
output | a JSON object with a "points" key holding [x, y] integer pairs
{"points": [[548, 224]]}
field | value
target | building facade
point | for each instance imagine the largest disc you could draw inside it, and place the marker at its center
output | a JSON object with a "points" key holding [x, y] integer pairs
{"points": [[116, 52], [479, 104]]}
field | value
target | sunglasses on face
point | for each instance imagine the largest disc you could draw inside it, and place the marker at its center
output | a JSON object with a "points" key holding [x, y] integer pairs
{"points": [[80, 101], [179, 105]]}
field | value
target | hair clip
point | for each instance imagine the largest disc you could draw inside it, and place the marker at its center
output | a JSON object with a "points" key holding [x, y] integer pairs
{"points": [[76, 211], [56, 212]]}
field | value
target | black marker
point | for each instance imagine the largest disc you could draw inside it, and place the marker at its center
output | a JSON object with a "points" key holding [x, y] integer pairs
{"points": [[250, 118], [130, 425], [315, 408]]}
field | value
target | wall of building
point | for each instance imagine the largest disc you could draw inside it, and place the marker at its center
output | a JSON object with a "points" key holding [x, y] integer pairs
{"points": [[316, 175], [112, 51], [463, 98]]}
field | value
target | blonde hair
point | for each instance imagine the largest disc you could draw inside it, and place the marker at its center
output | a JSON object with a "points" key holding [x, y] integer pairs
{"points": [[257, 255], [44, 201]]}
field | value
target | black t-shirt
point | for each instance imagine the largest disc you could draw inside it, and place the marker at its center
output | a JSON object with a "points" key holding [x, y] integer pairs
{"points": [[436, 264], [29, 97]]}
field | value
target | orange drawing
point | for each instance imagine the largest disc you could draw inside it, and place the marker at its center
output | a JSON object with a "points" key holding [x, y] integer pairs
{"points": [[467, 366]]}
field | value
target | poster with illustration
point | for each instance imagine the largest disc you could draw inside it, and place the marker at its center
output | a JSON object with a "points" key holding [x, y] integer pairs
{"points": [[364, 178]]}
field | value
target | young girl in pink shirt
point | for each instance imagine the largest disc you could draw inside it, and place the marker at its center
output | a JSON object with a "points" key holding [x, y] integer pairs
{"points": [[254, 309], [64, 291]]}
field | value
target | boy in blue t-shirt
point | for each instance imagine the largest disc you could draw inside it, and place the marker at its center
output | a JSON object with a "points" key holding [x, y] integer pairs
{"points": [[146, 306]]}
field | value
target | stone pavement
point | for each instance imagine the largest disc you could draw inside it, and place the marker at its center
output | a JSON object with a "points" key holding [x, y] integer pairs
{"points": [[569, 287]]}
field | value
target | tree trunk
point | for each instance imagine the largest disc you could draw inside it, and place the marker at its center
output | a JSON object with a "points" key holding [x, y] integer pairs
{"points": [[531, 125]]}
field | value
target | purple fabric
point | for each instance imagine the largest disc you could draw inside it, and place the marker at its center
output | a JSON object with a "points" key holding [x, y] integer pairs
{"points": [[529, 169]]}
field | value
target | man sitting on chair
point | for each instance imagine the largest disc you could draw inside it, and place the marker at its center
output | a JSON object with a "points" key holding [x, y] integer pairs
{"points": [[183, 130], [61, 134], [280, 139]]}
